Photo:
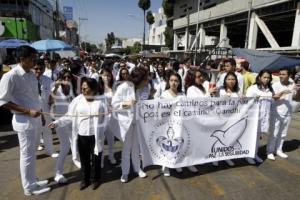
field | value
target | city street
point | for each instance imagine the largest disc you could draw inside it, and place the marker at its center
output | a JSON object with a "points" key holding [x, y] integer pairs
{"points": [[278, 179]]}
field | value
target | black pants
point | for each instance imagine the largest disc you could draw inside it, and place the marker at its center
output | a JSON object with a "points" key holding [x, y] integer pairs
{"points": [[90, 163]]}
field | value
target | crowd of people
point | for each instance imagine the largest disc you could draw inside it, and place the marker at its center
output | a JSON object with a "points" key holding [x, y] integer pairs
{"points": [[75, 98]]}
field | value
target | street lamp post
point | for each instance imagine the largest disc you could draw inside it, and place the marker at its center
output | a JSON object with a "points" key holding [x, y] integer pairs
{"points": [[79, 24]]}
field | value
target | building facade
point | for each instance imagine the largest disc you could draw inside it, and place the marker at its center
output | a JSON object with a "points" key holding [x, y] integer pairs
{"points": [[28, 19], [254, 24], [157, 29]]}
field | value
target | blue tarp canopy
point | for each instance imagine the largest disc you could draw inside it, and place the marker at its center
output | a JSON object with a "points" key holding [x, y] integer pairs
{"points": [[260, 60]]}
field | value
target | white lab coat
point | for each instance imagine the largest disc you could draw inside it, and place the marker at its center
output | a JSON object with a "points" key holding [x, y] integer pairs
{"points": [[124, 92], [265, 106], [127, 127], [77, 115]]}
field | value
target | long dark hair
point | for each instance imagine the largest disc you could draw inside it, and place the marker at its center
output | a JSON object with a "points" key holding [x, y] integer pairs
{"points": [[190, 80], [138, 75], [120, 74], [92, 83], [179, 87], [259, 83], [61, 75], [111, 82], [236, 85]]}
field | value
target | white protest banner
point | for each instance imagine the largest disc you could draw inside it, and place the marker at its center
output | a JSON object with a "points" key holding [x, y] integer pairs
{"points": [[184, 132]]}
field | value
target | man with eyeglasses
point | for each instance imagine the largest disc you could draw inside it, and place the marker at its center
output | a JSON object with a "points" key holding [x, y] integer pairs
{"points": [[19, 93], [44, 86], [52, 71]]}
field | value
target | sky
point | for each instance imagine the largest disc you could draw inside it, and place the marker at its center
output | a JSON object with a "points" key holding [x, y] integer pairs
{"points": [[123, 17]]}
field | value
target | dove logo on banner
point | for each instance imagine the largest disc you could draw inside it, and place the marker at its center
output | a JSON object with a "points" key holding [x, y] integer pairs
{"points": [[172, 143], [227, 141]]}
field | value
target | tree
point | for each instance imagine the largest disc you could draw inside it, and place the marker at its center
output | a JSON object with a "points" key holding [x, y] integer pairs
{"points": [[150, 20], [136, 48], [110, 40], [168, 6], [144, 5]]}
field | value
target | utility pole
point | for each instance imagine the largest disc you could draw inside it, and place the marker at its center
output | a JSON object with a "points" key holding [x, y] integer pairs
{"points": [[79, 24], [197, 29], [248, 23], [56, 20], [17, 14]]}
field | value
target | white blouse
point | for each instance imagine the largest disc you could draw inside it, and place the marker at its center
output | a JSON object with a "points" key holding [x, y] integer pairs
{"points": [[61, 101], [194, 91], [167, 95], [224, 93], [87, 119]]}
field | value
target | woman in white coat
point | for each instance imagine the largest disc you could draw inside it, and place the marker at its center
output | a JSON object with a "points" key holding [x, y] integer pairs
{"points": [[262, 90], [123, 103], [230, 89], [87, 114], [108, 81], [194, 84], [61, 96], [174, 90]]}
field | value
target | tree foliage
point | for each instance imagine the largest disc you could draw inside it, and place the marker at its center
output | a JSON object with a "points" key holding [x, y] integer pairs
{"points": [[168, 6], [89, 47], [144, 4], [110, 40], [150, 18]]}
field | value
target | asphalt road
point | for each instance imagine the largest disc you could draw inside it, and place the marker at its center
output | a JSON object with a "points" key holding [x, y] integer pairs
{"points": [[272, 180]]}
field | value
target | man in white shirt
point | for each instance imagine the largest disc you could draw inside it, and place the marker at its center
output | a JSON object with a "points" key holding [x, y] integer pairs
{"points": [[230, 65], [19, 93], [282, 117], [44, 86], [52, 72], [183, 71]]}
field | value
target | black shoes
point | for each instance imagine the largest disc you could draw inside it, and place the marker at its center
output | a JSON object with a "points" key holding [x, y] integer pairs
{"points": [[84, 185], [95, 185]]}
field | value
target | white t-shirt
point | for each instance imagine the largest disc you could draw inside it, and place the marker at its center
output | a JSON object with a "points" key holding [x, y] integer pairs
{"points": [[283, 106]]}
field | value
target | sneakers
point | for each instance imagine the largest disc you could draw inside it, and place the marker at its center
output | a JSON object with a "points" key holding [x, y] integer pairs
{"points": [[42, 183], [251, 161], [166, 171], [230, 163], [77, 164], [60, 179], [258, 159], [142, 174], [179, 170], [37, 190], [54, 155], [193, 169], [40, 148], [281, 154], [271, 156], [216, 163], [124, 178]]}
